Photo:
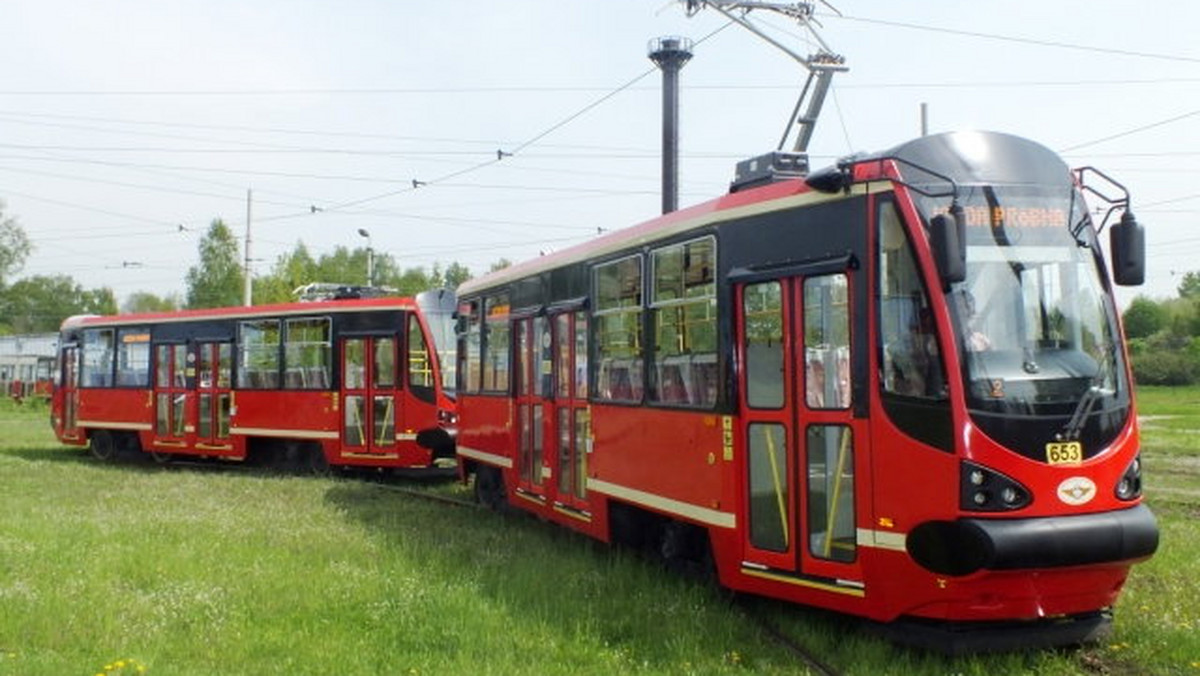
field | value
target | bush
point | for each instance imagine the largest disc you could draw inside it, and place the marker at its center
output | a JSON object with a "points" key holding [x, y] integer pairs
{"points": [[1160, 367]]}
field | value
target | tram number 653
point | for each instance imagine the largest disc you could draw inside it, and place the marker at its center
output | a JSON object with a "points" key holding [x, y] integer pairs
{"points": [[1064, 452]]}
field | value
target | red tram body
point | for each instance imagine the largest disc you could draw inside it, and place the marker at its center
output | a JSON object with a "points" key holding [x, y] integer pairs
{"points": [[802, 384], [355, 382]]}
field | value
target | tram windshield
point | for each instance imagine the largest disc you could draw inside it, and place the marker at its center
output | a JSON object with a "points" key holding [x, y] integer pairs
{"points": [[1035, 321], [438, 307]]}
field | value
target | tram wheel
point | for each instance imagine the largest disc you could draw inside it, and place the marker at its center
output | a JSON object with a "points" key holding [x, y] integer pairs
{"points": [[489, 487], [161, 457], [103, 446], [318, 464]]}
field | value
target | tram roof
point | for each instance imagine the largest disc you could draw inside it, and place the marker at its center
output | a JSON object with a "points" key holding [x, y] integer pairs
{"points": [[966, 157], [243, 312]]}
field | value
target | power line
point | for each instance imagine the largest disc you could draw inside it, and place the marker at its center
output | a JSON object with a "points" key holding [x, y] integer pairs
{"points": [[1021, 40], [1130, 132]]}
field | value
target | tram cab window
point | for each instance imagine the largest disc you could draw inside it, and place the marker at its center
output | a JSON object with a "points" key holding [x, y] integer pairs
{"points": [[618, 325], [469, 354], [910, 362]]}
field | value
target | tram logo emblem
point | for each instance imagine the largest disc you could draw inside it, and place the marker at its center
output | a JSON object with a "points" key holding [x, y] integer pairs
{"points": [[1077, 490]]}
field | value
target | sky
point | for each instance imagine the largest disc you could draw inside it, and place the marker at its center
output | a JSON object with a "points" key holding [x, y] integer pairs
{"points": [[126, 127]]}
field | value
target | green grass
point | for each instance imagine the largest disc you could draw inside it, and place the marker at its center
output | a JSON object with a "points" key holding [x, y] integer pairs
{"points": [[201, 571]]}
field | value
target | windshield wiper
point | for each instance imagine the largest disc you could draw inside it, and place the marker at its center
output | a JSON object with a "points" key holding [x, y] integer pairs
{"points": [[1087, 401]]}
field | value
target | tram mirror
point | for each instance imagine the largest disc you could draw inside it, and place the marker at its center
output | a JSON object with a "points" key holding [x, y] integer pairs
{"points": [[1127, 242], [948, 239]]}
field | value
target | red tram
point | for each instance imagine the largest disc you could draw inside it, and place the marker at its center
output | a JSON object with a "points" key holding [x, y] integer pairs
{"points": [[896, 388], [353, 382]]}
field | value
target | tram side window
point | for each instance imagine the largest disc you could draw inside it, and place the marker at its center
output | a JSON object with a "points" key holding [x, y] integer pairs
{"points": [[471, 323], [910, 361], [133, 358], [97, 358], [684, 303], [618, 325], [308, 354], [258, 347], [496, 345]]}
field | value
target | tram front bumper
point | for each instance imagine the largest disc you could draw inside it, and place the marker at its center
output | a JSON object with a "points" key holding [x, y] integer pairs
{"points": [[965, 546]]}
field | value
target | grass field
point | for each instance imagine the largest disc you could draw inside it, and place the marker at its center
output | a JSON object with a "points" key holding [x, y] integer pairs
{"points": [[131, 568]]}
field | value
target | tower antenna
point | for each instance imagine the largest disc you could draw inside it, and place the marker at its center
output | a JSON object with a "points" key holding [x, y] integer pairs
{"points": [[820, 65]]}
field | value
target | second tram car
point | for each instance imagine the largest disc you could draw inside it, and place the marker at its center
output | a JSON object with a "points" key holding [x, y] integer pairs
{"points": [[896, 388], [355, 383]]}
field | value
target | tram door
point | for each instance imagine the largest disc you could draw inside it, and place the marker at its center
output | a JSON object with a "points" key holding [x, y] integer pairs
{"points": [[570, 415], [534, 374], [214, 368], [70, 392], [171, 374], [369, 395], [801, 467]]}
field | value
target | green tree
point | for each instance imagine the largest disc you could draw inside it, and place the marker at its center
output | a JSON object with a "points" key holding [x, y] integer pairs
{"points": [[456, 273], [217, 280], [291, 270], [40, 303], [1189, 287], [144, 301], [14, 245], [1143, 318]]}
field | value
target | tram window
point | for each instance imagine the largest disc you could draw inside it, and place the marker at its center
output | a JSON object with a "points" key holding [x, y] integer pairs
{"points": [[470, 354], [618, 294], [420, 359], [683, 299], [770, 499], [827, 342], [308, 354], [258, 344], [832, 533], [496, 345], [762, 309], [133, 358], [581, 355], [97, 358], [910, 361]]}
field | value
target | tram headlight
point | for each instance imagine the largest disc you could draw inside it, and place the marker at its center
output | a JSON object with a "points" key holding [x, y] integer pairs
{"points": [[985, 490], [1130, 485]]}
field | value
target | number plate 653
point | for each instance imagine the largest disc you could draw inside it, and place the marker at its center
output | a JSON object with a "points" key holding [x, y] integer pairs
{"points": [[1064, 453]]}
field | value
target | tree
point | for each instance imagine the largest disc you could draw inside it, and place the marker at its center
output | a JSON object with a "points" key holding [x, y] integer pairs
{"points": [[1143, 318], [455, 274], [1189, 287], [217, 280], [291, 270], [14, 245], [40, 303], [144, 301]]}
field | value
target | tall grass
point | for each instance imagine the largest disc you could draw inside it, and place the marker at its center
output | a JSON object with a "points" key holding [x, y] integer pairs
{"points": [[197, 570]]}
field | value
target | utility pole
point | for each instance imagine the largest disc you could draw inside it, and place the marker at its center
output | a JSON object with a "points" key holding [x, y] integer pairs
{"points": [[246, 274], [670, 54]]}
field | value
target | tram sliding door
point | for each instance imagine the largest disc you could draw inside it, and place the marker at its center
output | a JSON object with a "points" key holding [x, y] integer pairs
{"points": [[801, 438], [213, 396], [533, 378], [369, 396]]}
